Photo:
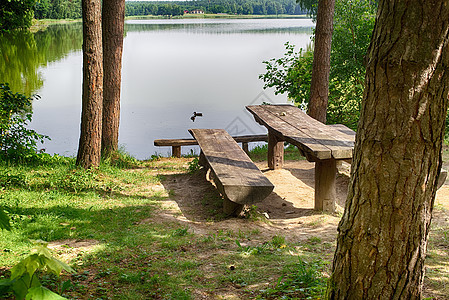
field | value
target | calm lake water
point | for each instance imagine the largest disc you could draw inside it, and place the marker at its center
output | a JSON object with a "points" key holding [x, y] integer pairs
{"points": [[171, 68]]}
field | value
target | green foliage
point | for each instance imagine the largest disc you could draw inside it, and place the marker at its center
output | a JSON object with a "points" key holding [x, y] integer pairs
{"points": [[4, 220], [121, 159], [23, 54], [291, 74], [24, 282], [194, 165], [16, 14], [302, 280], [57, 9], [277, 243], [78, 180], [241, 7], [17, 142]]}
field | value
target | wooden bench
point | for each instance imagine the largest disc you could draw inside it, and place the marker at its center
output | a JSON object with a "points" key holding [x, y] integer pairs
{"points": [[237, 178], [176, 144]]}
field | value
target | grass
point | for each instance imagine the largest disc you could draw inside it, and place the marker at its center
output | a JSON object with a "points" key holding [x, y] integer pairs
{"points": [[132, 251], [259, 153]]}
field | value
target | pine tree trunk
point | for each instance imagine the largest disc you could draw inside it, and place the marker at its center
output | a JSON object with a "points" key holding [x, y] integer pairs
{"points": [[319, 88], [89, 150], [383, 233], [113, 30]]}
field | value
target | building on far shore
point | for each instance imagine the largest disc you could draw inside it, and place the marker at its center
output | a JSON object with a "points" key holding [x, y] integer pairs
{"points": [[196, 12]]}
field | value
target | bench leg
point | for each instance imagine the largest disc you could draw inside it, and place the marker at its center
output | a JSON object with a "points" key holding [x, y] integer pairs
{"points": [[275, 152], [232, 208], [176, 151], [245, 147], [325, 187]]}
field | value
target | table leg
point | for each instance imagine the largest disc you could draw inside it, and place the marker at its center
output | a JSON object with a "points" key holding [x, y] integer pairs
{"points": [[275, 152], [325, 187]]}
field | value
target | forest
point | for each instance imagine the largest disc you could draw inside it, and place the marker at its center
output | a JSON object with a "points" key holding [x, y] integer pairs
{"points": [[71, 9]]}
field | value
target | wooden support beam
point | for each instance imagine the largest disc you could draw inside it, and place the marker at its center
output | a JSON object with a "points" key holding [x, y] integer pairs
{"points": [[176, 151], [325, 185], [275, 151], [245, 147]]}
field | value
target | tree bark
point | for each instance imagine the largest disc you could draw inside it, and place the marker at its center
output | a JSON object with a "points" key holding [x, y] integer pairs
{"points": [[113, 30], [319, 88], [383, 233], [89, 150]]}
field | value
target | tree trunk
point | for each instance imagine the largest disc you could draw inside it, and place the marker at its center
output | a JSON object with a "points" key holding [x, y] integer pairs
{"points": [[113, 30], [383, 233], [319, 88], [89, 149]]}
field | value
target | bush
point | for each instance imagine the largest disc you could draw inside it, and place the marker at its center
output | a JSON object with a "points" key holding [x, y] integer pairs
{"points": [[292, 74], [17, 142]]}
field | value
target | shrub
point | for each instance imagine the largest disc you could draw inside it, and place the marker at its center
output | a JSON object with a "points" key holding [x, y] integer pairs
{"points": [[17, 142], [292, 73]]}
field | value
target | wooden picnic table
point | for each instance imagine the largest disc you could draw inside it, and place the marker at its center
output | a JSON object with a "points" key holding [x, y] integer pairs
{"points": [[320, 143]]}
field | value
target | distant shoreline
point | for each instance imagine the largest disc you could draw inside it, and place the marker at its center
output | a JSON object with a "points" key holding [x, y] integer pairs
{"points": [[219, 16], [42, 24]]}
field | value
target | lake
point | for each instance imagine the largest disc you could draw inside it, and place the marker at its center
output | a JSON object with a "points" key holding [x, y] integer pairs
{"points": [[171, 68]]}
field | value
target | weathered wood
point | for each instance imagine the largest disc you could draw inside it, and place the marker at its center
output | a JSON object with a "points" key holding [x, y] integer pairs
{"points": [[275, 151], [325, 185], [176, 144], [317, 140], [237, 178], [176, 151], [191, 142], [320, 143], [245, 147]]}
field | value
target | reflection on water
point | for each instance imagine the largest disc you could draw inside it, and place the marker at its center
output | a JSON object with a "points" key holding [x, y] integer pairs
{"points": [[171, 68], [23, 53], [223, 26]]}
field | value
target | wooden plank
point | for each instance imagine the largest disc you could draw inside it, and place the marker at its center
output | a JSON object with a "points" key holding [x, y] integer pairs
{"points": [[287, 132], [340, 145], [237, 177], [316, 139], [191, 142], [175, 142]]}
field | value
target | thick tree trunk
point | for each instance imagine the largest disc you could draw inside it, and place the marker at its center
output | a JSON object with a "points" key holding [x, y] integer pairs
{"points": [[319, 88], [89, 150], [383, 234], [113, 30]]}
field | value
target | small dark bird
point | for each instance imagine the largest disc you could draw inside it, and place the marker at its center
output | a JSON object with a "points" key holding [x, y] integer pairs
{"points": [[195, 114]]}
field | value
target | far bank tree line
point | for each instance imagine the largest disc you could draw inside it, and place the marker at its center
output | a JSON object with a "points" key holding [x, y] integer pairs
{"points": [[71, 9]]}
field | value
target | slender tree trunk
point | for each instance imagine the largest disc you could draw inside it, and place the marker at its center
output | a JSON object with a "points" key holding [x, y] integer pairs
{"points": [[89, 150], [319, 88], [113, 30], [383, 234]]}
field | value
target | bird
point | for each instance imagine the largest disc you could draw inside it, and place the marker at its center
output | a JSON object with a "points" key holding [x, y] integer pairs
{"points": [[195, 114]]}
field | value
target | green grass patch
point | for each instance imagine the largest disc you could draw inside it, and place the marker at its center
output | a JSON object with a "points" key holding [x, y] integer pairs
{"points": [[134, 251], [260, 153]]}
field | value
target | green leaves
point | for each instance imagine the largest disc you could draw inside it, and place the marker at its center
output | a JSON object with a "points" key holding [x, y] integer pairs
{"points": [[42, 293], [24, 282], [4, 220], [16, 140], [40, 260]]}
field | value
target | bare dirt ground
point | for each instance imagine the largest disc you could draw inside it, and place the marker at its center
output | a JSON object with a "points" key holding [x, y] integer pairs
{"points": [[194, 202], [290, 212]]}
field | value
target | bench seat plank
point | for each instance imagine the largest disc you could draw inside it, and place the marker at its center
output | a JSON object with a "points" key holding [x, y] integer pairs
{"points": [[237, 177]]}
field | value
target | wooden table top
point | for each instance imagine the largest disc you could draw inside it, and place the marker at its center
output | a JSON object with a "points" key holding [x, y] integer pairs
{"points": [[317, 140]]}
